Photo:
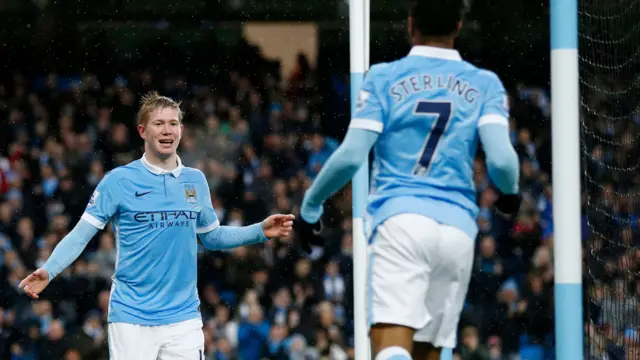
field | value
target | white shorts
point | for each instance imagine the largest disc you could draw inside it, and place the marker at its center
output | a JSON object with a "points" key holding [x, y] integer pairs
{"points": [[180, 341], [419, 272]]}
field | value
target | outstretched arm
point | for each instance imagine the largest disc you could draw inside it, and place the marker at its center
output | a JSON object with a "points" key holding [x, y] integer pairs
{"points": [[63, 255], [71, 246], [337, 171], [229, 237], [216, 237], [102, 206]]}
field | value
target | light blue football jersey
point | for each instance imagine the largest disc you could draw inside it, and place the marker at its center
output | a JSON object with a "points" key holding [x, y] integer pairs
{"points": [[155, 215], [427, 107]]}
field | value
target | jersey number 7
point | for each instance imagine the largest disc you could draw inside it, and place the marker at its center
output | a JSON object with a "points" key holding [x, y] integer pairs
{"points": [[442, 111]]}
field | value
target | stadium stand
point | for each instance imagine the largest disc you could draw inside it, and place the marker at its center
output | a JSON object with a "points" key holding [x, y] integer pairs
{"points": [[258, 154], [258, 144]]}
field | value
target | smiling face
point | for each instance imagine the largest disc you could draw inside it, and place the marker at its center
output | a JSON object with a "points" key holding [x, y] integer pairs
{"points": [[160, 125], [161, 131]]}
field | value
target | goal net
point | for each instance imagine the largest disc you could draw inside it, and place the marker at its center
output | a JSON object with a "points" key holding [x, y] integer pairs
{"points": [[609, 52]]}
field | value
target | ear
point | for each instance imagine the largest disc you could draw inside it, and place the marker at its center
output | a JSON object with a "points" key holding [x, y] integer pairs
{"points": [[142, 132], [181, 130]]}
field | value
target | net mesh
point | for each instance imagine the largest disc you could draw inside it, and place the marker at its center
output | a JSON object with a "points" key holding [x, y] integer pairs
{"points": [[609, 49]]}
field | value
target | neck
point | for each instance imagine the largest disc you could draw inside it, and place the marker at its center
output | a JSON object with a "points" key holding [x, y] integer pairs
{"points": [[446, 42], [166, 163]]}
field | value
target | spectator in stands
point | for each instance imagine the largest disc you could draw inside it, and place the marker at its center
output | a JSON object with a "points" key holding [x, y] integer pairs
{"points": [[471, 347]]}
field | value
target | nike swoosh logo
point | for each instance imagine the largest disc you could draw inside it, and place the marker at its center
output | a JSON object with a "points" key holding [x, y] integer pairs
{"points": [[142, 194]]}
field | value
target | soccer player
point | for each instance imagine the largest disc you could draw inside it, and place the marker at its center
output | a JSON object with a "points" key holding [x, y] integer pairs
{"points": [[423, 116], [156, 207]]}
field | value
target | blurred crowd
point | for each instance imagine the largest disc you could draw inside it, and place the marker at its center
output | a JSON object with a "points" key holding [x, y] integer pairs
{"points": [[611, 185], [260, 139]]}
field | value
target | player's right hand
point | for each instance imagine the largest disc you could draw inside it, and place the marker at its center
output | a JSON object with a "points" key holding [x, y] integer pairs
{"points": [[35, 283], [508, 204], [308, 234]]}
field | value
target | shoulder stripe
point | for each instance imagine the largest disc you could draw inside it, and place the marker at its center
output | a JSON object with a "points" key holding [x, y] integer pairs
{"points": [[493, 119], [208, 228], [93, 220], [367, 124]]}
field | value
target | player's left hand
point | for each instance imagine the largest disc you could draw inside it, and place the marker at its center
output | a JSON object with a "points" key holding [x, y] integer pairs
{"points": [[278, 226], [508, 204], [309, 234]]}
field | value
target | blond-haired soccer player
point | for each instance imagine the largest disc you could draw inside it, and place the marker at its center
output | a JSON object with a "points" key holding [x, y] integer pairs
{"points": [[156, 206]]}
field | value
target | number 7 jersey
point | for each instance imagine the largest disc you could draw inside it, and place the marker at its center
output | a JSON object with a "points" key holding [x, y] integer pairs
{"points": [[427, 108]]}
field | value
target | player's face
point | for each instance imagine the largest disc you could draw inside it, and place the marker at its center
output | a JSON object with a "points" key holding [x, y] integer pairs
{"points": [[162, 131]]}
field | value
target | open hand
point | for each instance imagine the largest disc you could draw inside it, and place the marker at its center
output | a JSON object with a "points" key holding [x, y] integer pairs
{"points": [[278, 226], [35, 283]]}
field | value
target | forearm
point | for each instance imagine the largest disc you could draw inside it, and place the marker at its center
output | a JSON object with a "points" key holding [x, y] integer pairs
{"points": [[502, 161], [337, 171], [229, 237], [71, 246], [335, 174]]}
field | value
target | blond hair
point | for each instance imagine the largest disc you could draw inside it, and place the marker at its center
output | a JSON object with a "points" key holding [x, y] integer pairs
{"points": [[152, 101]]}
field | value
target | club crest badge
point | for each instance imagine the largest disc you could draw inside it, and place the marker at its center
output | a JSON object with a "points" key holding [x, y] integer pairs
{"points": [[94, 197], [190, 194], [362, 99]]}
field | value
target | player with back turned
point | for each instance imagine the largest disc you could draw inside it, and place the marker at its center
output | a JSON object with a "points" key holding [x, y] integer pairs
{"points": [[157, 207], [423, 116]]}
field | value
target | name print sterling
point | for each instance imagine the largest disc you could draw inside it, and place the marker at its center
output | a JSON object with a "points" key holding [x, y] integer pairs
{"points": [[426, 82]]}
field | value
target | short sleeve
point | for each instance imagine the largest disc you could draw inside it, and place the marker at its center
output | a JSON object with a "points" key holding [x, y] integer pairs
{"points": [[370, 107], [207, 218], [104, 202], [495, 109]]}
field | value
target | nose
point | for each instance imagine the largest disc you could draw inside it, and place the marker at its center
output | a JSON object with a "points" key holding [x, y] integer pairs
{"points": [[166, 128]]}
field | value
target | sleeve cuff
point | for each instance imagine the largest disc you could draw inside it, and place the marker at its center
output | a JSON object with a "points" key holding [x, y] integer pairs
{"points": [[311, 214], [493, 119], [261, 232], [206, 229], [367, 124], [93, 220], [50, 269]]}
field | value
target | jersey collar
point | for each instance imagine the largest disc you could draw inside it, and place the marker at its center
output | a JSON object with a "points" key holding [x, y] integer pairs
{"points": [[159, 171], [435, 52]]}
